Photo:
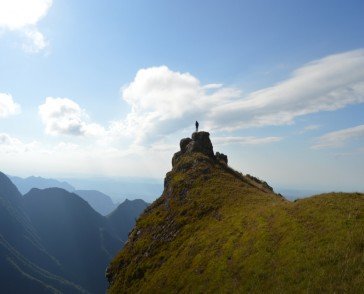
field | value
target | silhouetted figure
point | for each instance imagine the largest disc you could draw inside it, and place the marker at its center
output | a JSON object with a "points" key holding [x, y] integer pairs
{"points": [[196, 124]]}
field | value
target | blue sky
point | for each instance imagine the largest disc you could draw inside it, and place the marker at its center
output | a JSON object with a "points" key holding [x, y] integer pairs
{"points": [[92, 88]]}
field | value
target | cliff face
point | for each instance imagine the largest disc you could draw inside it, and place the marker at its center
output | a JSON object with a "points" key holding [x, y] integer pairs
{"points": [[214, 229]]}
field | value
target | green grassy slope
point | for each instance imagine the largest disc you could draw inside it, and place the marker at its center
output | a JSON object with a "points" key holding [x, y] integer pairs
{"points": [[214, 230]]}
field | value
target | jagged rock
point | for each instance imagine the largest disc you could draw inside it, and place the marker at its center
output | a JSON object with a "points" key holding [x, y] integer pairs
{"points": [[222, 157], [201, 143], [183, 144]]}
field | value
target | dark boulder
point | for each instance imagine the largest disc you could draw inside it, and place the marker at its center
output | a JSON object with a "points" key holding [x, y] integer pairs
{"points": [[183, 144], [201, 143], [221, 157]]}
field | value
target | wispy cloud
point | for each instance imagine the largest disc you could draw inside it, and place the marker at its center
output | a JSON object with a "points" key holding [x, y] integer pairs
{"points": [[245, 140], [309, 128], [327, 84], [23, 16], [339, 138]]}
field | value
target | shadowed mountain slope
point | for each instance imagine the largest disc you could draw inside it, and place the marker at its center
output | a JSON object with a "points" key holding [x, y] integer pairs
{"points": [[79, 237], [217, 230], [124, 216], [26, 267]]}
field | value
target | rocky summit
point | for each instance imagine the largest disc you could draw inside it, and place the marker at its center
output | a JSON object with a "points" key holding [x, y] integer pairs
{"points": [[200, 142], [217, 230]]}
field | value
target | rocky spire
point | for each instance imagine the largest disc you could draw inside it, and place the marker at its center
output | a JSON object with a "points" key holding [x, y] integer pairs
{"points": [[200, 142]]}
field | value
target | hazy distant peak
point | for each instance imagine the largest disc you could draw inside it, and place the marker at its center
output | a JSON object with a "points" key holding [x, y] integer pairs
{"points": [[26, 184], [99, 201]]}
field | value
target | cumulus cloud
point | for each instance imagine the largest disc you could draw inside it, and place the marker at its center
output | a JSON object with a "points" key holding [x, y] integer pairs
{"points": [[10, 144], [63, 116], [164, 101], [339, 138], [23, 16], [8, 106]]}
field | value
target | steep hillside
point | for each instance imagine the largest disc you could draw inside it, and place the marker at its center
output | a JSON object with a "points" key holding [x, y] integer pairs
{"points": [[216, 230], [124, 216], [98, 201], [26, 266], [75, 234]]}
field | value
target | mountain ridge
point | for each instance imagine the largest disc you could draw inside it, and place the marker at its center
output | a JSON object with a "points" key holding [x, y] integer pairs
{"points": [[74, 233], [26, 265], [215, 229], [53, 241]]}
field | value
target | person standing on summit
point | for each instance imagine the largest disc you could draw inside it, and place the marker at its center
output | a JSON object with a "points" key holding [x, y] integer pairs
{"points": [[196, 124]]}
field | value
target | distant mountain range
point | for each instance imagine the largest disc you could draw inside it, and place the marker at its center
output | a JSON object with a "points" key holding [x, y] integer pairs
{"points": [[51, 240], [120, 188], [89, 189], [99, 201], [24, 185]]}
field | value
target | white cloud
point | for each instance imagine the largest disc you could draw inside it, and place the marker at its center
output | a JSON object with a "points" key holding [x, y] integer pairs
{"points": [[164, 101], [36, 41], [245, 140], [62, 116], [8, 106], [23, 16], [327, 84], [339, 138], [10, 144]]}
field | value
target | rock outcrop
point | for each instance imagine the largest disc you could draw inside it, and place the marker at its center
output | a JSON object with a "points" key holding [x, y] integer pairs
{"points": [[221, 157], [200, 142]]}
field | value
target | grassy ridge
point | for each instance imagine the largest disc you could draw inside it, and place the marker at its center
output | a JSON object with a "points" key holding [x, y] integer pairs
{"points": [[213, 230]]}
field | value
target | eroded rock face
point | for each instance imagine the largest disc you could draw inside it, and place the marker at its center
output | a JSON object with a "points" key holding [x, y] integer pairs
{"points": [[200, 142]]}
